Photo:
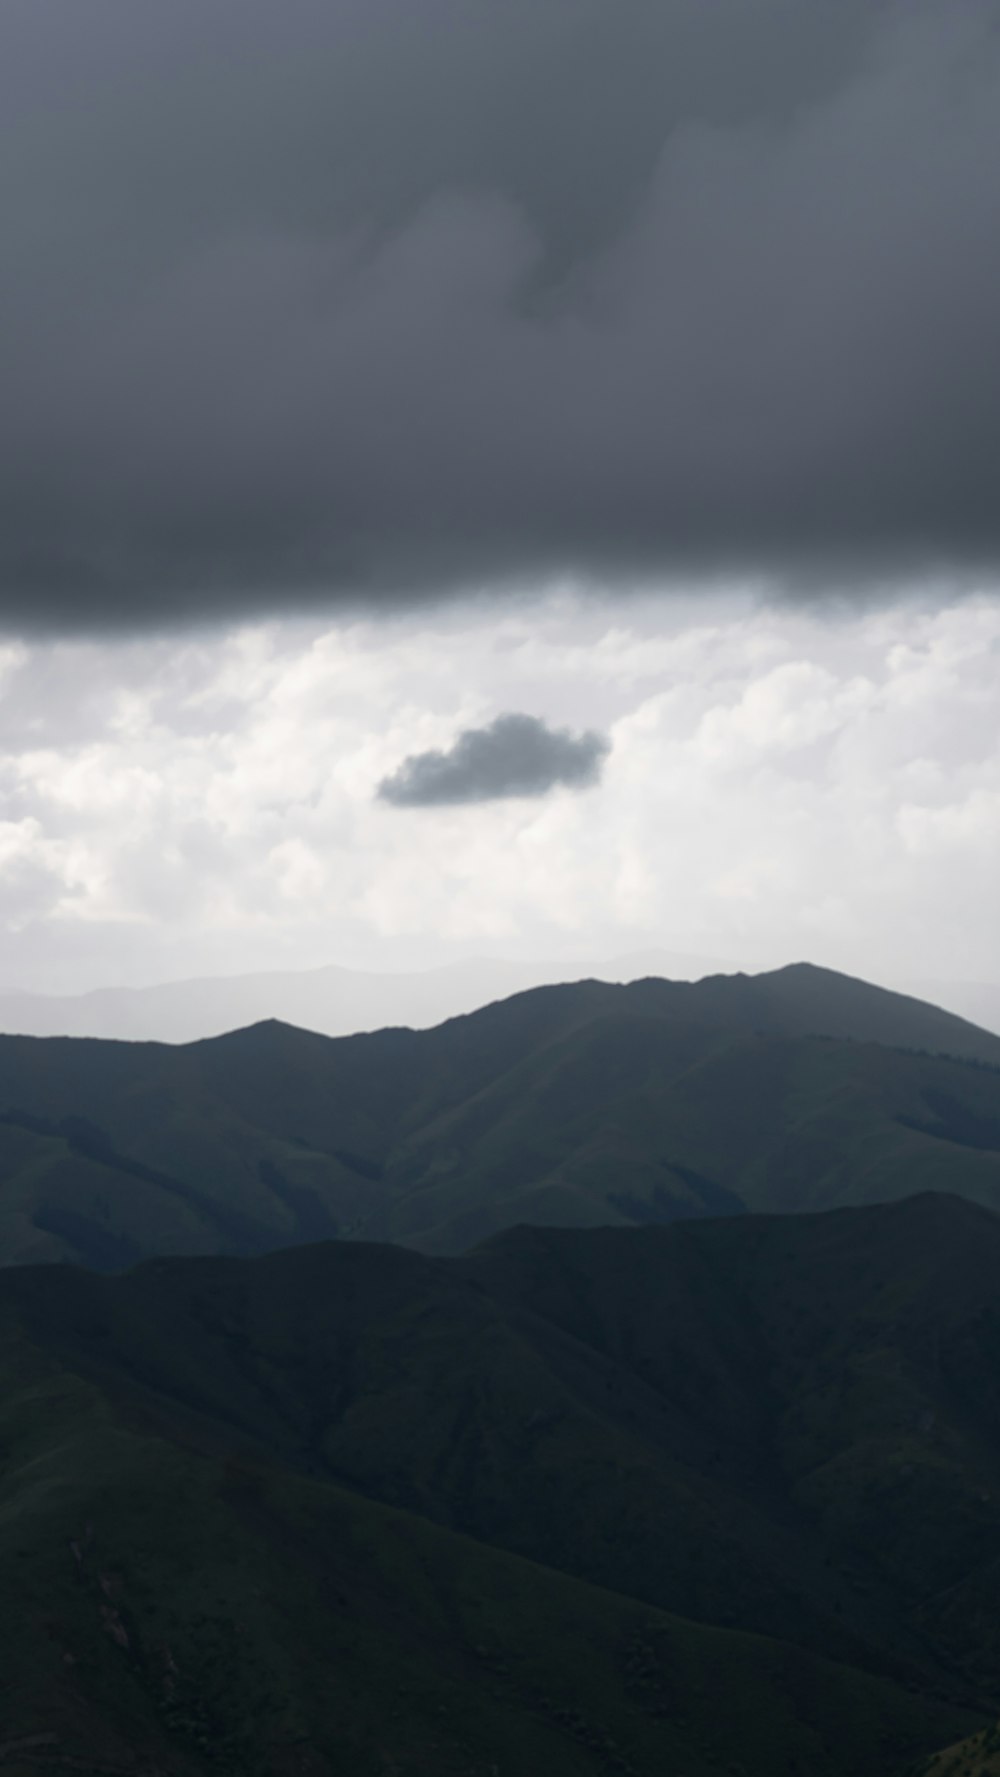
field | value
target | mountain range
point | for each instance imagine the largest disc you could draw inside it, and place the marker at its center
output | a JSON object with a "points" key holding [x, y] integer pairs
{"points": [[582, 1105], [337, 1001], [721, 1496], [604, 1383], [333, 1000]]}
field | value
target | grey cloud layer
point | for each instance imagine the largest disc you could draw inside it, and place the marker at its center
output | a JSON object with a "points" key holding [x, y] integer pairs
{"points": [[372, 300], [514, 756]]}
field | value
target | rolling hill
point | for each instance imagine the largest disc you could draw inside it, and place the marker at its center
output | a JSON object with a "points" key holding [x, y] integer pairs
{"points": [[719, 1495], [583, 1105]]}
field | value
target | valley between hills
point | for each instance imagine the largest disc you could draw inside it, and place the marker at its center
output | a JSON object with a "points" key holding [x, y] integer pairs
{"points": [[605, 1384]]}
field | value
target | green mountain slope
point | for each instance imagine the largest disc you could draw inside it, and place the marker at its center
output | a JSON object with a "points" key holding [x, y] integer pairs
{"points": [[190, 1616], [575, 1106], [724, 1495]]}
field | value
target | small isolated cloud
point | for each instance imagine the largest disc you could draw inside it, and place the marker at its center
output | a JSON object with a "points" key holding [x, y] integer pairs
{"points": [[513, 756]]}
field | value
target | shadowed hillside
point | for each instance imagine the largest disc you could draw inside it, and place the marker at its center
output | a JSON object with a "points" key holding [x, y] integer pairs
{"points": [[583, 1105], [719, 1495]]}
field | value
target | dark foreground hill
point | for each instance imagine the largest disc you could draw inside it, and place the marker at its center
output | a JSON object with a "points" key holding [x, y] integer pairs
{"points": [[723, 1496], [577, 1106]]}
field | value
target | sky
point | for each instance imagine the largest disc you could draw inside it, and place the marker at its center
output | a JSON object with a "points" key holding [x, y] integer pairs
{"points": [[513, 480], [778, 783]]}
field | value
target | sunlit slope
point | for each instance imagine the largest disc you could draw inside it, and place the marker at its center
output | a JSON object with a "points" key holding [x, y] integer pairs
{"points": [[577, 1106], [978, 1756]]}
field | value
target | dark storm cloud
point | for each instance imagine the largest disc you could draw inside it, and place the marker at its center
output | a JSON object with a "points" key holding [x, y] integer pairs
{"points": [[381, 298], [514, 756]]}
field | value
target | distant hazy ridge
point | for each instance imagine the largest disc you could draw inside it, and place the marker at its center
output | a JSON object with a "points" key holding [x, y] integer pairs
{"points": [[338, 1002]]}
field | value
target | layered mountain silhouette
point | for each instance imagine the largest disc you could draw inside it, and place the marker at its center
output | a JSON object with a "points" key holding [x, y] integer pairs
{"points": [[338, 1001], [718, 1496], [583, 1105], [488, 1426], [333, 1000]]}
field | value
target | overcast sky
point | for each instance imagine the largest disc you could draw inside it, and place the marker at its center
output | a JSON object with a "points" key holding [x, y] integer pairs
{"points": [[780, 784], [515, 477]]}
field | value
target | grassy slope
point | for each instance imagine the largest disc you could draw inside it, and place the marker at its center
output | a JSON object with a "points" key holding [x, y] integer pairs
{"points": [[577, 1106], [176, 1604], [977, 1756], [631, 1121], [881, 1352]]}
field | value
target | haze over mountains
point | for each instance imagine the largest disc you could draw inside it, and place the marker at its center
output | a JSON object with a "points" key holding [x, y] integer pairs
{"points": [[340, 1001], [335, 1001]]}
